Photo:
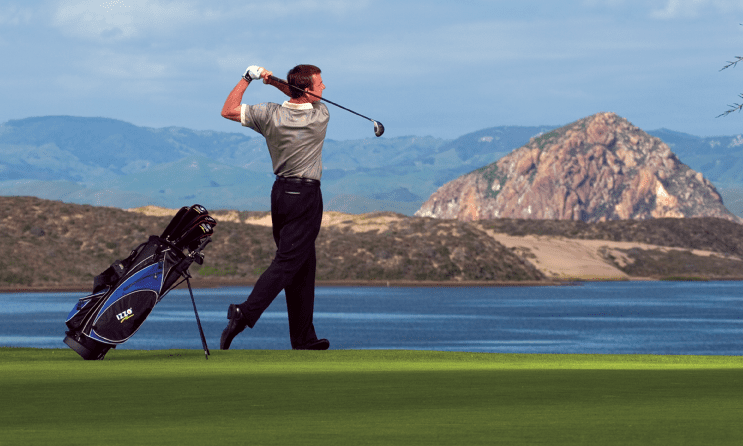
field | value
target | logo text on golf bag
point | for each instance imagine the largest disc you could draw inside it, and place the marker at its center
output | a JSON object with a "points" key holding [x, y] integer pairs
{"points": [[124, 315]]}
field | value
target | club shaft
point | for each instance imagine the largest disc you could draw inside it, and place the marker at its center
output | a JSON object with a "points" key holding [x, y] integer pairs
{"points": [[282, 81]]}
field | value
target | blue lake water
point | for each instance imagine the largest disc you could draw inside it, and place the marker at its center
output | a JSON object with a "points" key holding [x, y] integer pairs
{"points": [[687, 318]]}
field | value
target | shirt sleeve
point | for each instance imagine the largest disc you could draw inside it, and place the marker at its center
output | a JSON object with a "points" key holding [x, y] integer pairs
{"points": [[256, 117], [243, 117]]}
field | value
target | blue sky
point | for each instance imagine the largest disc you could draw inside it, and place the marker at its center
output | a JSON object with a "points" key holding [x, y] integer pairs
{"points": [[439, 68]]}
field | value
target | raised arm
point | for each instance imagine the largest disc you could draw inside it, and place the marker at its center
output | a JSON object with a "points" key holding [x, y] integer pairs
{"points": [[232, 106], [282, 87]]}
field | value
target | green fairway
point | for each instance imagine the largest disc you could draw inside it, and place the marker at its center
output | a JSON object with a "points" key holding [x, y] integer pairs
{"points": [[367, 397]]}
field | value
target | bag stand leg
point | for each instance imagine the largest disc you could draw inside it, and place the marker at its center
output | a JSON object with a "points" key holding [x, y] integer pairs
{"points": [[198, 321]]}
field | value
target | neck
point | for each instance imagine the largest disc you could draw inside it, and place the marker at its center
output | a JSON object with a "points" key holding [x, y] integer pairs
{"points": [[302, 100]]}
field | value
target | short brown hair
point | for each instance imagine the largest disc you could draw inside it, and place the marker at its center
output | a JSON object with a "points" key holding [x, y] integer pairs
{"points": [[301, 76]]}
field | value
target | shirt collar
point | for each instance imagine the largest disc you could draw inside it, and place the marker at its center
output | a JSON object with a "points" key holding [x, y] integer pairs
{"points": [[293, 106]]}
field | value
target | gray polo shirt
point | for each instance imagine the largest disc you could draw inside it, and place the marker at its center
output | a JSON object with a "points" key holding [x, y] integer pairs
{"points": [[294, 134]]}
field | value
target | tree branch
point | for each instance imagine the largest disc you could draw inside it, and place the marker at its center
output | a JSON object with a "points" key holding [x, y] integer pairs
{"points": [[733, 108], [733, 63]]}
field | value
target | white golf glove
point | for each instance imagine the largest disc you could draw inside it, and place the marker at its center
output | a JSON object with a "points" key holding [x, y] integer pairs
{"points": [[253, 72]]}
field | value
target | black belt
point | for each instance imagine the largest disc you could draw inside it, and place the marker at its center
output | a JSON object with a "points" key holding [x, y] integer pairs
{"points": [[298, 180]]}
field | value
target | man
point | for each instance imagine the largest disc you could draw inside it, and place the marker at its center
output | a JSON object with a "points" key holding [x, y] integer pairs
{"points": [[294, 133]]}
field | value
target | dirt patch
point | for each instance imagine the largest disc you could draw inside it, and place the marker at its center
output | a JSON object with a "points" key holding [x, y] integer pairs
{"points": [[562, 258]]}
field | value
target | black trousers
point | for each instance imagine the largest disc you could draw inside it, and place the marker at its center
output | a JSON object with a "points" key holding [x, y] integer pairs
{"points": [[296, 214]]}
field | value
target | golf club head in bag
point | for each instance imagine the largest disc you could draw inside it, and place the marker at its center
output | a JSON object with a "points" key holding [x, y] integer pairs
{"points": [[183, 221], [174, 222], [193, 238], [195, 235], [188, 233], [126, 292], [206, 218]]}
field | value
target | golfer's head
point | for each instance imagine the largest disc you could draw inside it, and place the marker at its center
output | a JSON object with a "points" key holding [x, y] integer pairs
{"points": [[306, 77]]}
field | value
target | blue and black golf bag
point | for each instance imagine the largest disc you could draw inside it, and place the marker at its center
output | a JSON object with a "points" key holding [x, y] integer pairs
{"points": [[126, 292]]}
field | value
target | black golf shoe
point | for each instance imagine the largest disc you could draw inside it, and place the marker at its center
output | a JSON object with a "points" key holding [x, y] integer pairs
{"points": [[237, 323], [318, 344]]}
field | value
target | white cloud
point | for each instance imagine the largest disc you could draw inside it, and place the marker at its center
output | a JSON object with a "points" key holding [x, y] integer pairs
{"points": [[692, 8], [11, 15], [284, 8], [610, 3], [117, 66], [495, 43], [128, 66], [135, 59], [670, 9], [124, 19], [116, 20]]}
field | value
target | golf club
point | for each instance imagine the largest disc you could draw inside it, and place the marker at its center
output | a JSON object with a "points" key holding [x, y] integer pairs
{"points": [[378, 127]]}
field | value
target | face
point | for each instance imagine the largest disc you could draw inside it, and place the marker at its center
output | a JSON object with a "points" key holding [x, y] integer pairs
{"points": [[317, 85]]}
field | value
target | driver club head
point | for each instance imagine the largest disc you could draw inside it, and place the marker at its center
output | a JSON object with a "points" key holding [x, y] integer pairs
{"points": [[378, 128]]}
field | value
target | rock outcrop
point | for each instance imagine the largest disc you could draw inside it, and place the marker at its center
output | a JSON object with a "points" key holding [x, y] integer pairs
{"points": [[596, 169]]}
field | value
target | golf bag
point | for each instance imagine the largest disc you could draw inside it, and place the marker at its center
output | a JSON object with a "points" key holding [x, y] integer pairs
{"points": [[126, 292]]}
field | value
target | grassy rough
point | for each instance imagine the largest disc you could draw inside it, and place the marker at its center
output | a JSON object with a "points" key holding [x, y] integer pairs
{"points": [[367, 397], [711, 234], [55, 244]]}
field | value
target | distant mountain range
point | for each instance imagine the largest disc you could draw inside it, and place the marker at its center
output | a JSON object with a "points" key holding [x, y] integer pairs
{"points": [[106, 162]]}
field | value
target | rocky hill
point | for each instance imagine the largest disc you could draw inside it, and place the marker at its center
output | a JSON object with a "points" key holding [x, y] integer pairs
{"points": [[596, 169], [50, 244]]}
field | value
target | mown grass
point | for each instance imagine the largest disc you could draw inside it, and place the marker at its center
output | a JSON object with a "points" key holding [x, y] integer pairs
{"points": [[367, 397]]}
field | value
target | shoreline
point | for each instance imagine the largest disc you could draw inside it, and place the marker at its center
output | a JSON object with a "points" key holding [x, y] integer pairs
{"points": [[212, 284]]}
